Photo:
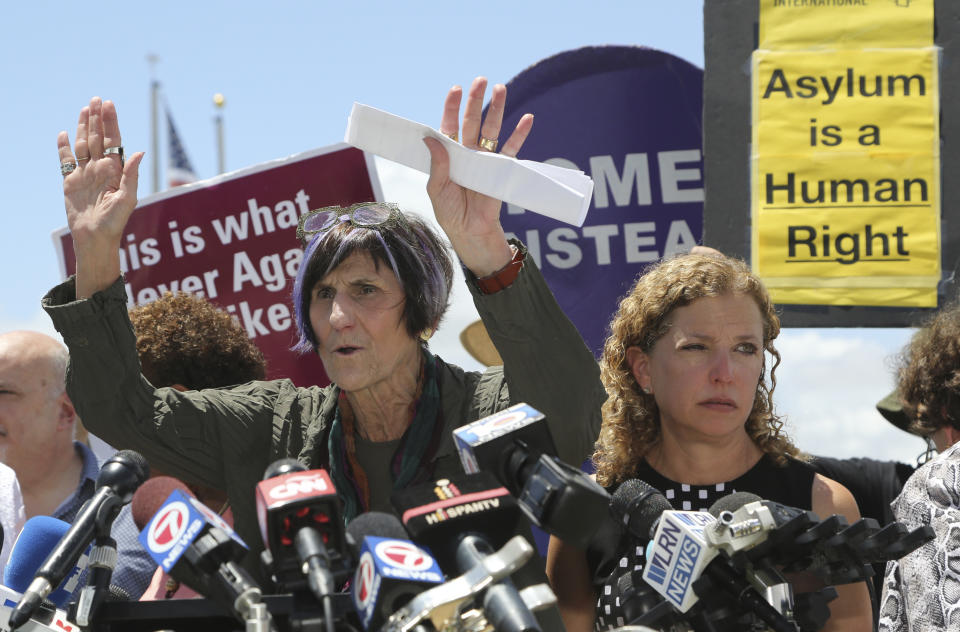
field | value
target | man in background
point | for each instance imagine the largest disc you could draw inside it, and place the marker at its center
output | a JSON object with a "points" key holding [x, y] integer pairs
{"points": [[57, 474]]}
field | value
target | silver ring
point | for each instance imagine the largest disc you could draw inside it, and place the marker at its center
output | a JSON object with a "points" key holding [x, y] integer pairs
{"points": [[114, 150], [66, 168]]}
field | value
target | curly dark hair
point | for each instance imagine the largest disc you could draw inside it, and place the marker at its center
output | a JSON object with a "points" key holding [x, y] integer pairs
{"points": [[185, 339], [631, 419], [929, 373]]}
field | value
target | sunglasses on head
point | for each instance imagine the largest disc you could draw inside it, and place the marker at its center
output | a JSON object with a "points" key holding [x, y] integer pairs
{"points": [[364, 214]]}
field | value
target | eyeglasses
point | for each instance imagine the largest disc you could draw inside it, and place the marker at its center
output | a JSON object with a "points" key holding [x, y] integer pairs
{"points": [[365, 214]]}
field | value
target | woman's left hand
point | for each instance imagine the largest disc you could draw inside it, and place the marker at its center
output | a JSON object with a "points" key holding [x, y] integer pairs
{"points": [[471, 220]]}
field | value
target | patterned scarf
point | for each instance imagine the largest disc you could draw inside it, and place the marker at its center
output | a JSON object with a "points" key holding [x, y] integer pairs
{"points": [[412, 462]]}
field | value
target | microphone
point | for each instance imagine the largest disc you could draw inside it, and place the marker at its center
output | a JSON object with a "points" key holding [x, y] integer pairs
{"points": [[301, 522], [681, 557], [745, 521], [504, 444], [46, 618], [151, 495], [444, 607], [391, 570], [37, 539], [378, 523], [148, 499], [516, 446], [642, 605], [119, 478], [189, 541], [638, 507], [462, 519], [798, 540]]}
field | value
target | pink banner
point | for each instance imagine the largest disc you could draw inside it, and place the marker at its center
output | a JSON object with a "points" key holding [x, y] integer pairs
{"points": [[233, 240]]}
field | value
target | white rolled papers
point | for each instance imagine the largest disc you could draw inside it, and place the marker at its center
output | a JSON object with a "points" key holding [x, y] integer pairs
{"points": [[557, 192]]}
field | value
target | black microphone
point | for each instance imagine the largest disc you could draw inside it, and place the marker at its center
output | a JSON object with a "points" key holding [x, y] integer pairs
{"points": [[119, 478], [638, 506], [462, 520], [642, 605]]}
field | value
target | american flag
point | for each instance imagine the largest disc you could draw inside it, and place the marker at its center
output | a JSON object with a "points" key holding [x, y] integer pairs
{"points": [[179, 170]]}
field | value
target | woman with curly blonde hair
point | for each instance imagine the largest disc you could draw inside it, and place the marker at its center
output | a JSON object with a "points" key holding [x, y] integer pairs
{"points": [[690, 411]]}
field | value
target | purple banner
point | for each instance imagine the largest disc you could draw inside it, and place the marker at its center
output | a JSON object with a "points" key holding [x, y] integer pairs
{"points": [[630, 117]]}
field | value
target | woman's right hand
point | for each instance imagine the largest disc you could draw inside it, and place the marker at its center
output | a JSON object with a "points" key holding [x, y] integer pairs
{"points": [[470, 219], [99, 195]]}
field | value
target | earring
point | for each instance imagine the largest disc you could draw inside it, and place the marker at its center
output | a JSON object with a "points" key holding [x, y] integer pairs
{"points": [[426, 334], [645, 389]]}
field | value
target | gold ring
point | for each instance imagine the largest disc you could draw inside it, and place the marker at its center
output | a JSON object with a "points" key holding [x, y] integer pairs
{"points": [[452, 136], [83, 159], [488, 144]]}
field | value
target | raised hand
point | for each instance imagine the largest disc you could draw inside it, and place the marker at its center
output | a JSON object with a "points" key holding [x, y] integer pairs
{"points": [[472, 220], [99, 194]]}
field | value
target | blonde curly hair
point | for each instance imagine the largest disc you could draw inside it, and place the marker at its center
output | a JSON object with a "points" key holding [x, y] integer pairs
{"points": [[631, 420]]}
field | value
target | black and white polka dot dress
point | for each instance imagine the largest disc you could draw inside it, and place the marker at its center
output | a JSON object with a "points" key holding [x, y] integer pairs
{"points": [[789, 485]]}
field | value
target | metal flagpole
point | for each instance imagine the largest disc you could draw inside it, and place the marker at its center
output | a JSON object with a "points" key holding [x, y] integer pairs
{"points": [[219, 101], [154, 133]]}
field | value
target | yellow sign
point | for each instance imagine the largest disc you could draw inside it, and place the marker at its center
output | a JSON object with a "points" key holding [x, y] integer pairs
{"points": [[833, 24], [846, 162]]}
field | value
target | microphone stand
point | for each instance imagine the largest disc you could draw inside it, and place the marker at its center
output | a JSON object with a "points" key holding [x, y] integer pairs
{"points": [[103, 559], [258, 618]]}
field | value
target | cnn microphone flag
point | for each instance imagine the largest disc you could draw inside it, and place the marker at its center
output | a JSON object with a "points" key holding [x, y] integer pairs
{"points": [[179, 169]]}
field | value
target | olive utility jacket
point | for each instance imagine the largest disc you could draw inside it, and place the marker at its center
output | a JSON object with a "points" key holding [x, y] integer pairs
{"points": [[227, 437]]}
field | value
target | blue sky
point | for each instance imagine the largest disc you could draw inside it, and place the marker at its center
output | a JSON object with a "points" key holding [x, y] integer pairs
{"points": [[290, 72]]}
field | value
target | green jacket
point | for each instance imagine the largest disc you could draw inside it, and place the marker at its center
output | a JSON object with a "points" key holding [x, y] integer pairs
{"points": [[227, 437]]}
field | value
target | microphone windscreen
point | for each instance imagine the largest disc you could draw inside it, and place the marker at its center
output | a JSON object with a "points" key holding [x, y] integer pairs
{"points": [[373, 523], [377, 524], [732, 502], [37, 538], [151, 495], [638, 505], [118, 594], [135, 461], [283, 466], [124, 472]]}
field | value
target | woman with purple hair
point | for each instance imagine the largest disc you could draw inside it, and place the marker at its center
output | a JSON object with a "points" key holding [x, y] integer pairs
{"points": [[374, 283]]}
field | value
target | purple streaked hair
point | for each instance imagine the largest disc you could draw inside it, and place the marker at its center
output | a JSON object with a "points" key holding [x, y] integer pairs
{"points": [[418, 256]]}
